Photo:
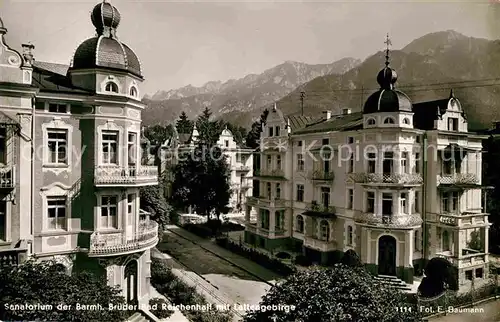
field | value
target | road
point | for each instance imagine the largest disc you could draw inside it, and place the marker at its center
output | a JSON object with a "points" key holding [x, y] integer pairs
{"points": [[488, 312]]}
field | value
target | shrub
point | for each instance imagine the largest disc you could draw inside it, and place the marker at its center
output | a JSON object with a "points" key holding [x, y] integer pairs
{"points": [[159, 307], [283, 255], [440, 275], [302, 260], [351, 259]]}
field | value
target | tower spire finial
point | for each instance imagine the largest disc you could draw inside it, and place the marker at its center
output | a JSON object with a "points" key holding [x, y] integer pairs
{"points": [[388, 43]]}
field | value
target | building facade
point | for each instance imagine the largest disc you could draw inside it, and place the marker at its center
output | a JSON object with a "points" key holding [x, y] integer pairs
{"points": [[240, 161], [72, 168], [399, 183]]}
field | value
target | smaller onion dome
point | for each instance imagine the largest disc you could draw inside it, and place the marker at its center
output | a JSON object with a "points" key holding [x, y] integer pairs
{"points": [[105, 15]]}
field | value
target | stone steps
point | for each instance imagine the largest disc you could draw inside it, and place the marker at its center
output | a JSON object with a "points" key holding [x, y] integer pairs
{"points": [[393, 281]]}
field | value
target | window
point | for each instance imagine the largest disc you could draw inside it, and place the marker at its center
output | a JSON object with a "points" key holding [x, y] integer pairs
{"points": [[132, 148], [277, 131], [417, 139], [300, 192], [417, 162], [447, 167], [371, 162], [269, 162], [56, 211], [403, 202], [58, 108], [3, 145], [133, 91], [350, 167], [300, 162], [370, 122], [325, 230], [445, 201], [416, 240], [326, 162], [279, 222], [264, 218], [3, 220], [446, 240], [109, 206], [325, 196], [406, 121], [300, 224], [278, 191], [268, 184], [130, 203], [350, 198], [454, 201], [109, 148], [416, 205], [57, 144], [271, 131], [111, 87], [387, 164], [278, 162], [299, 143], [404, 162], [325, 141], [350, 239], [452, 124], [389, 120], [370, 201], [386, 204], [226, 143], [350, 140]]}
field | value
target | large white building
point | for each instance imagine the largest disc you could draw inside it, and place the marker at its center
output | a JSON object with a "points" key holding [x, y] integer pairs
{"points": [[240, 161], [399, 183]]}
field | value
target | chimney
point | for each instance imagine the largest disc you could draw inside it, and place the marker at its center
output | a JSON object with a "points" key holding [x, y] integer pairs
{"points": [[346, 111], [28, 53], [327, 114]]}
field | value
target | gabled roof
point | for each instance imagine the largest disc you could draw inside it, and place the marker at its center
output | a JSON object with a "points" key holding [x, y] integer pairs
{"points": [[52, 77], [59, 69], [299, 121], [335, 123], [427, 112]]}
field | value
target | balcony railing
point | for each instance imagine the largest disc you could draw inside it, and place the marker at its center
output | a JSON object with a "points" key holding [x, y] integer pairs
{"points": [[462, 218], [7, 179], [241, 168], [279, 143], [319, 244], [320, 208], [126, 175], [466, 260], [321, 175], [252, 228], [458, 179], [387, 178], [270, 173], [103, 244], [394, 221], [10, 258]]}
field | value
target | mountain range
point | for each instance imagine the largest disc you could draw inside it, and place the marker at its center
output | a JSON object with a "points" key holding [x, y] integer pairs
{"points": [[428, 68]]}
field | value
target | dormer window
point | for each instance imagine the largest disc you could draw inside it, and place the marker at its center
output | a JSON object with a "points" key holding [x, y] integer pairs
{"points": [[271, 131], [111, 87], [452, 124], [389, 120], [133, 92], [406, 121], [58, 108], [370, 122], [277, 131]]}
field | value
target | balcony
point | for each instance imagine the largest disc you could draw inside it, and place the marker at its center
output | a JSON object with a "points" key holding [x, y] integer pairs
{"points": [[276, 173], [142, 175], [383, 221], [465, 261], [277, 143], [252, 228], [458, 219], [318, 244], [405, 179], [113, 244], [241, 168], [7, 177], [315, 207], [321, 175], [463, 180], [266, 202]]}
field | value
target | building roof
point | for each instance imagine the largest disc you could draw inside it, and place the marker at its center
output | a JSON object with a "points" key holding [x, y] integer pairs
{"points": [[299, 121], [344, 122], [52, 77], [387, 100], [427, 112]]}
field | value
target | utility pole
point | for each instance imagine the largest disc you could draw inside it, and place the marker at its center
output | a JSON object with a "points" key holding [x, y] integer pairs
{"points": [[302, 95]]}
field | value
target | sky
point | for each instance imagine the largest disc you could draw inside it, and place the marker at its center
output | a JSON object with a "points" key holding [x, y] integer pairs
{"points": [[193, 42]]}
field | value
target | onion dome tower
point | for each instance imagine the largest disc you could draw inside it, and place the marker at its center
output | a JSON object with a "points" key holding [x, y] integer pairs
{"points": [[388, 106], [105, 51]]}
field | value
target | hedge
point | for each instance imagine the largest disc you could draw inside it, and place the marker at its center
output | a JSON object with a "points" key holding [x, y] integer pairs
{"points": [[172, 287], [262, 259], [160, 308]]}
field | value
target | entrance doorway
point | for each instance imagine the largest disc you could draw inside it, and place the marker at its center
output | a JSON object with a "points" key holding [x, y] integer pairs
{"points": [[387, 255]]}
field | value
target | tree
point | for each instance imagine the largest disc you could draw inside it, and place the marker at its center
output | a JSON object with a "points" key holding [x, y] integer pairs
{"points": [[47, 284], [157, 134], [184, 125], [209, 131], [337, 294], [153, 201], [239, 133], [202, 181], [351, 259], [440, 275], [253, 137], [491, 177]]}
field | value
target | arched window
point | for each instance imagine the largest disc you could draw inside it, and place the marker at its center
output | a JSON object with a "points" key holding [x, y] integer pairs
{"points": [[111, 87], [370, 121], [406, 121], [350, 238], [325, 230], [389, 120], [300, 224], [446, 240], [133, 91]]}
